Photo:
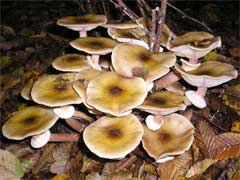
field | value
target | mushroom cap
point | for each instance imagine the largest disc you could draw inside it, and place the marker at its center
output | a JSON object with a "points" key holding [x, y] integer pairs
{"points": [[173, 138], [113, 137], [208, 74], [146, 24], [194, 44], [133, 60], [40, 140], [26, 91], [94, 45], [86, 22], [176, 87], [55, 90], [112, 93], [28, 122], [120, 25], [81, 81], [132, 36], [71, 63], [164, 102], [196, 99]]}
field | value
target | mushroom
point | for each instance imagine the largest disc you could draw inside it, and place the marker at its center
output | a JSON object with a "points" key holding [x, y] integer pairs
{"points": [[128, 24], [95, 46], [208, 74], [133, 60], [40, 140], [174, 137], [55, 90], [113, 137], [26, 91], [132, 36], [29, 121], [83, 23], [194, 45], [71, 63], [114, 94], [146, 25], [176, 87]]}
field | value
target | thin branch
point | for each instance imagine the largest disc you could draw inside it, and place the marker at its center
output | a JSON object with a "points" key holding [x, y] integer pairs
{"points": [[122, 6], [185, 16], [145, 6], [153, 28], [160, 26]]}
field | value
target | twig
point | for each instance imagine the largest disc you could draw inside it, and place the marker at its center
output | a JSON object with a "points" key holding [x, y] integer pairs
{"points": [[144, 5], [160, 26], [104, 8], [153, 28], [185, 16], [122, 6], [231, 166]]}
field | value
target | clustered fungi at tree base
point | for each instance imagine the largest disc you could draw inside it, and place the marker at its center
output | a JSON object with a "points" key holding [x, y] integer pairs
{"points": [[114, 90]]}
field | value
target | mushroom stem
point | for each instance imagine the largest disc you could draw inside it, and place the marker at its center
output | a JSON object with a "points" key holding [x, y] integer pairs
{"points": [[154, 122], [95, 59], [193, 60], [201, 91], [167, 80], [76, 124], [82, 33], [64, 137], [94, 62]]}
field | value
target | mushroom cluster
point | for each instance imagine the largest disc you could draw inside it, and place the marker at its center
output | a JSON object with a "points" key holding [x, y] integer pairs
{"points": [[114, 92]]}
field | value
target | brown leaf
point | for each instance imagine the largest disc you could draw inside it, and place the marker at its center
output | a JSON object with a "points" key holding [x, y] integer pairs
{"points": [[228, 145], [204, 138], [62, 151], [176, 167], [90, 165], [200, 167]]}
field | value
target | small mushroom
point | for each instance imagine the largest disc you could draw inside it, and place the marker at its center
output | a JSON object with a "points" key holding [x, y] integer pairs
{"points": [[26, 91], [55, 90], [154, 122], [113, 137], [194, 45], [163, 103], [173, 138], [83, 23], [71, 63], [132, 36], [95, 46], [133, 60], [208, 74], [114, 94], [30, 121], [128, 24]]}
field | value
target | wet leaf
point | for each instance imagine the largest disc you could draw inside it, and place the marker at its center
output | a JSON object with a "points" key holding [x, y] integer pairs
{"points": [[204, 138], [200, 167], [10, 166], [176, 167], [232, 97], [5, 61], [212, 56], [236, 126], [235, 52], [61, 177], [228, 146]]}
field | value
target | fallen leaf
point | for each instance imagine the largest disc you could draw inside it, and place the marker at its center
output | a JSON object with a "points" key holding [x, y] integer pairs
{"points": [[204, 138], [200, 167], [59, 167], [5, 61], [212, 56], [61, 177], [235, 126], [228, 146], [10, 166], [176, 167], [235, 52], [90, 165], [8, 32]]}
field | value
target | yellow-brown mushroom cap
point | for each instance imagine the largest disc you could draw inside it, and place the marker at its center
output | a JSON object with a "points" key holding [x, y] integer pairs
{"points": [[81, 82], [28, 122], [120, 25], [132, 60], [208, 74], [174, 137], [55, 90], [26, 91], [82, 23], [94, 45], [112, 93], [71, 63], [194, 44], [164, 102], [112, 138]]}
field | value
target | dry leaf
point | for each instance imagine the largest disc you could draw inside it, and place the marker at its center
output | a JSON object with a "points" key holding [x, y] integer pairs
{"points": [[113, 176], [62, 151], [200, 167], [61, 177], [236, 126], [228, 146], [204, 138], [10, 166], [176, 167], [59, 167], [90, 165], [235, 52]]}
